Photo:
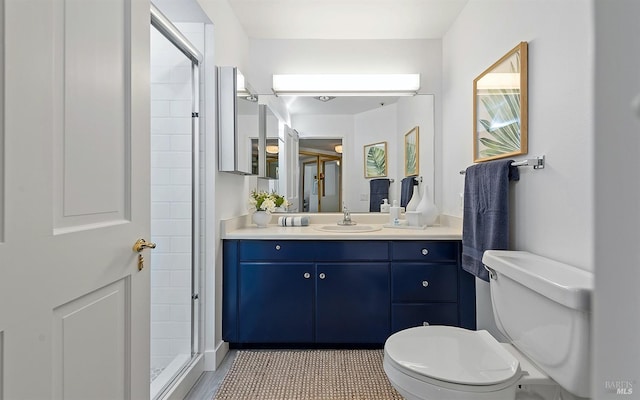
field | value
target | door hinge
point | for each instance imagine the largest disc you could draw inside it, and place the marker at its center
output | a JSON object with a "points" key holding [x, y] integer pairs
{"points": [[195, 296], [195, 115]]}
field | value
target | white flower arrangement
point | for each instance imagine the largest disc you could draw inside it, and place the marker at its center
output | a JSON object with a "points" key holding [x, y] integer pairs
{"points": [[264, 201]]}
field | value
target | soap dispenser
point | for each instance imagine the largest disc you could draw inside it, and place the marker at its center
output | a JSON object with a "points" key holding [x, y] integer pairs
{"points": [[384, 207], [394, 214]]}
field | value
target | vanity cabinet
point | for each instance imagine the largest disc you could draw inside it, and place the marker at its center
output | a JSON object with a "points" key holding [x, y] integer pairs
{"points": [[424, 281], [341, 292]]}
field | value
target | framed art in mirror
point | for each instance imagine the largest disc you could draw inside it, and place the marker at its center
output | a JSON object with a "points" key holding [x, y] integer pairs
{"points": [[375, 160], [500, 107], [412, 152]]}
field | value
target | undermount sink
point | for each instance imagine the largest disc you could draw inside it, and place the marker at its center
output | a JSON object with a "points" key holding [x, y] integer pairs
{"points": [[348, 228]]}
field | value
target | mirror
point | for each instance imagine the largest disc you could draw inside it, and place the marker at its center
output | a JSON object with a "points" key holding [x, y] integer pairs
{"points": [[248, 133], [237, 122], [500, 108], [353, 122], [269, 127]]}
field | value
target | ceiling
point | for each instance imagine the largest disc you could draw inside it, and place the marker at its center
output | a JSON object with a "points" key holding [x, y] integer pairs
{"points": [[330, 19], [346, 19]]}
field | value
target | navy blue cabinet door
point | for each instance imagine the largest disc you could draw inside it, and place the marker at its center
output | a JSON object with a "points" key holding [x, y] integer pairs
{"points": [[352, 303], [276, 303]]}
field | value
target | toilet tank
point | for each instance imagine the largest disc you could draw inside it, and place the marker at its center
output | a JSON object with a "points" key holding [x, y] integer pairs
{"points": [[544, 308]]}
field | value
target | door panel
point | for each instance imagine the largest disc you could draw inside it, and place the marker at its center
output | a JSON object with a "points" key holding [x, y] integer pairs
{"points": [[91, 134], [86, 331], [76, 198], [271, 314], [352, 302]]}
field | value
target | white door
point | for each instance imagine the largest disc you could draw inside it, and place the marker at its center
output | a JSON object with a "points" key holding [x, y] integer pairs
{"points": [[74, 197]]}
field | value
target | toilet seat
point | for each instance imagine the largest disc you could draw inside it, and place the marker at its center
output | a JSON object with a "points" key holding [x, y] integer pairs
{"points": [[452, 358]]}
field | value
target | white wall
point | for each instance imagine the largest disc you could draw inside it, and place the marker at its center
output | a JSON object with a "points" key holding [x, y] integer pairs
{"points": [[552, 208], [231, 44], [374, 126], [617, 199], [226, 193], [268, 57]]}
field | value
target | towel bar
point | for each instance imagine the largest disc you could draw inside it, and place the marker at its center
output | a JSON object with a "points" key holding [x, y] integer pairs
{"points": [[536, 163]]}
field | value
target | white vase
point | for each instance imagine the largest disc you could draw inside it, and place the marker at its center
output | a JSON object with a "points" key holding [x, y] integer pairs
{"points": [[261, 218], [412, 205], [428, 211]]}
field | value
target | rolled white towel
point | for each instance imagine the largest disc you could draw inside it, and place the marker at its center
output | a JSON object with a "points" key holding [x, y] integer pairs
{"points": [[293, 221]]}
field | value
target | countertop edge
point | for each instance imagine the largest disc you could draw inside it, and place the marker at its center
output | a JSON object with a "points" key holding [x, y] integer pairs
{"points": [[241, 228]]}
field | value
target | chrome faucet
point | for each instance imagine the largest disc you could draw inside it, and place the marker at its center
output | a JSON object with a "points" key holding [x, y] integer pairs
{"points": [[346, 219]]}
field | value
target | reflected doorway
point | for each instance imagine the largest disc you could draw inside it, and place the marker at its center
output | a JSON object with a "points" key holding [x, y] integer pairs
{"points": [[321, 175]]}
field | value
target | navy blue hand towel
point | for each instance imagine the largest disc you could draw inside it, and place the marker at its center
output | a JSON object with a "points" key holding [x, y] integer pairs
{"points": [[486, 212], [406, 190], [378, 190]]}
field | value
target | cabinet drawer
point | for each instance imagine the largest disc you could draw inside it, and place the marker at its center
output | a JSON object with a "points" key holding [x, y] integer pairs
{"points": [[270, 250], [352, 250], [429, 251], [419, 283], [405, 316]]}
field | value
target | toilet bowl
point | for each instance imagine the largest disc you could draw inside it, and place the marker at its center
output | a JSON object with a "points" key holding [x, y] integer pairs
{"points": [[445, 362], [541, 306]]}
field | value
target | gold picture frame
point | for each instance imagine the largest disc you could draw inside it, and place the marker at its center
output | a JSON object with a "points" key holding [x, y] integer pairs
{"points": [[500, 115], [375, 160], [412, 152]]}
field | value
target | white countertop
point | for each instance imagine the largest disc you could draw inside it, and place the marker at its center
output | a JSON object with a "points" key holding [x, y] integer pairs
{"points": [[449, 228]]}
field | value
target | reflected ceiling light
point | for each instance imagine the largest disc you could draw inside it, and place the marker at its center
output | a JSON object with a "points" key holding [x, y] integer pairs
{"points": [[338, 148], [272, 149], [324, 99], [241, 88], [346, 84]]}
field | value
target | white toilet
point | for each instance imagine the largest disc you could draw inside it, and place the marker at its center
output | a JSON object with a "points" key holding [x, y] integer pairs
{"points": [[541, 305]]}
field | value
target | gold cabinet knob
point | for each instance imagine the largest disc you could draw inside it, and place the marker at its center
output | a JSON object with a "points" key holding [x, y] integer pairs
{"points": [[142, 244]]}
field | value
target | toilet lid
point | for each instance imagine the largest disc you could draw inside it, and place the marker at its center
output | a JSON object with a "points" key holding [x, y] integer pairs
{"points": [[453, 355]]}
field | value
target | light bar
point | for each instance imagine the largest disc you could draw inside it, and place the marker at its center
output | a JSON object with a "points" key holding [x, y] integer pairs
{"points": [[346, 84]]}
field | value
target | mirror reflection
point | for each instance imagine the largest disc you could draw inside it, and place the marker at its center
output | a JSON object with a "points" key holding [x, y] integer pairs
{"points": [[321, 174], [315, 148]]}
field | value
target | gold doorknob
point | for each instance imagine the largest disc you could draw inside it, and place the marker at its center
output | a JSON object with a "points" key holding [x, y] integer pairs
{"points": [[142, 244]]}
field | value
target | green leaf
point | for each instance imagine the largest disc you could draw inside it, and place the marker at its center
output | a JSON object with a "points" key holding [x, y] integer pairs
{"points": [[376, 162]]}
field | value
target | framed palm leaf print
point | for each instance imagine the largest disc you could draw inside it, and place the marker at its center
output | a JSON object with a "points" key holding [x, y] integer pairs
{"points": [[375, 160], [500, 107], [412, 153]]}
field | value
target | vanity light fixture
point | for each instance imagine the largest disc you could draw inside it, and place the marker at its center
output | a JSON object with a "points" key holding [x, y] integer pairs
{"points": [[272, 149], [346, 84], [338, 148]]}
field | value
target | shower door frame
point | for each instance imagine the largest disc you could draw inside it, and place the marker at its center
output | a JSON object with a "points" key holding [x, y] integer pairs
{"points": [[164, 26]]}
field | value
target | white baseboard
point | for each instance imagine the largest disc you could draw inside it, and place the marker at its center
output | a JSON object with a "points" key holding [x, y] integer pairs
{"points": [[213, 358]]}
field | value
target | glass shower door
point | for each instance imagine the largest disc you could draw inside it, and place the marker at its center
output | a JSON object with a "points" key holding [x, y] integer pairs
{"points": [[174, 227]]}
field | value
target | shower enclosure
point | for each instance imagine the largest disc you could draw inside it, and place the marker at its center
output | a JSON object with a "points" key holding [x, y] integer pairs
{"points": [[175, 182]]}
